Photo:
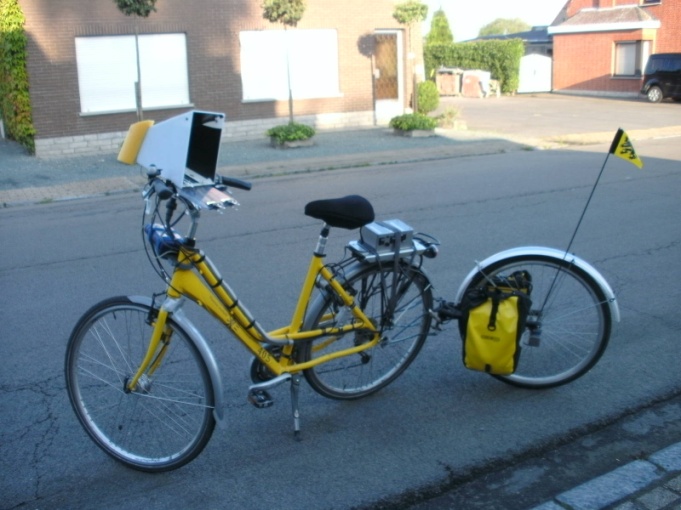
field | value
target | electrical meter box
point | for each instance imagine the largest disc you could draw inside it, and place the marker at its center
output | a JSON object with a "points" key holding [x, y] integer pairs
{"points": [[385, 240], [389, 235]]}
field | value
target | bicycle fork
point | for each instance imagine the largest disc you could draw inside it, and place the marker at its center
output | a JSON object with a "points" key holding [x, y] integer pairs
{"points": [[158, 345]]}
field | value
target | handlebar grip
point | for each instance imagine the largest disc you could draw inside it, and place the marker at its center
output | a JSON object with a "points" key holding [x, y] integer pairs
{"points": [[233, 182], [162, 190]]}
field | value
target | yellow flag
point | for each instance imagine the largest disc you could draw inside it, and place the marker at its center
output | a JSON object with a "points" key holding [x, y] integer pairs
{"points": [[623, 148]]}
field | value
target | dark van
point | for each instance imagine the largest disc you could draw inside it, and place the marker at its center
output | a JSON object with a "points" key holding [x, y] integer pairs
{"points": [[662, 77]]}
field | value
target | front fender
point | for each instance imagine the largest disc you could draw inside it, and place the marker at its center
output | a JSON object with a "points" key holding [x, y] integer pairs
{"points": [[200, 342], [550, 253]]}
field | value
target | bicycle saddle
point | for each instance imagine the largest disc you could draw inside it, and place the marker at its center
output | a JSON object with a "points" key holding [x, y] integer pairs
{"points": [[348, 212]]}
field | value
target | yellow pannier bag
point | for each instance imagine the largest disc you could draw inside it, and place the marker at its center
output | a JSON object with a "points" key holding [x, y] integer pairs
{"points": [[494, 318]]}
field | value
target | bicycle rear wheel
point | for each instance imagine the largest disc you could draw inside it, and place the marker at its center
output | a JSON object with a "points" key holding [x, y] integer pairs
{"points": [[568, 326], [398, 302], [168, 419]]}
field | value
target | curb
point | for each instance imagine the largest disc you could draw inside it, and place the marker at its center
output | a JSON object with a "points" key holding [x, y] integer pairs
{"points": [[642, 480], [472, 143], [475, 146]]}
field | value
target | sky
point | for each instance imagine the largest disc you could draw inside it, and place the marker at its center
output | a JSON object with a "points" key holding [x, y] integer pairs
{"points": [[466, 17]]}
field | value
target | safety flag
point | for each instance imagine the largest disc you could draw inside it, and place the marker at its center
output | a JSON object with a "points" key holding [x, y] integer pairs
{"points": [[623, 148]]}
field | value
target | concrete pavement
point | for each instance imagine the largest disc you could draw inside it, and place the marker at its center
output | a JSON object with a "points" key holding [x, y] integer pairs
{"points": [[537, 122], [544, 121]]}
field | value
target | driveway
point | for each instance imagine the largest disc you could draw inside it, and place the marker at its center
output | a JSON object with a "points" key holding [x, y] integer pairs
{"points": [[565, 118]]}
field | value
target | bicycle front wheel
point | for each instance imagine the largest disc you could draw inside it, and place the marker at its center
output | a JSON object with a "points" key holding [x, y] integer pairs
{"points": [[168, 419], [397, 300], [568, 326]]}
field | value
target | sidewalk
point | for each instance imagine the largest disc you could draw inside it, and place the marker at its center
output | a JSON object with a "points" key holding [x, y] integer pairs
{"points": [[506, 124], [652, 483], [25, 179], [28, 180]]}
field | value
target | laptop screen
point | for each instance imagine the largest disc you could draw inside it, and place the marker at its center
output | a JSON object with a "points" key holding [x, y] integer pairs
{"points": [[204, 145]]}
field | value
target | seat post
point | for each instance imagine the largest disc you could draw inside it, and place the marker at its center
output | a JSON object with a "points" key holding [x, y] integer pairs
{"points": [[320, 250]]}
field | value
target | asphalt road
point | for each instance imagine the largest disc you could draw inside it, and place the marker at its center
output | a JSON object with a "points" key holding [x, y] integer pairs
{"points": [[436, 426]]}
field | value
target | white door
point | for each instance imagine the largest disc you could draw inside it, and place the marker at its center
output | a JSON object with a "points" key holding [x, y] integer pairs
{"points": [[388, 75], [535, 74]]}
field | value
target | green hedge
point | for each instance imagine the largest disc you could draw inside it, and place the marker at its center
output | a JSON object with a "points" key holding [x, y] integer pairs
{"points": [[291, 132], [412, 121], [501, 58], [15, 102]]}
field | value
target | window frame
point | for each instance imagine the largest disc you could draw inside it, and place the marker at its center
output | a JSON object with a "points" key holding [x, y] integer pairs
{"points": [[641, 50]]}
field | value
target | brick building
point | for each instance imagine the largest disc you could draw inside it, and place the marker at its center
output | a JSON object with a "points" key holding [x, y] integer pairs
{"points": [[602, 46], [351, 64]]}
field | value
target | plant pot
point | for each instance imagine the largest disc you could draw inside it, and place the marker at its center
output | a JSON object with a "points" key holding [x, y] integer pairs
{"points": [[291, 144], [456, 125], [415, 133]]}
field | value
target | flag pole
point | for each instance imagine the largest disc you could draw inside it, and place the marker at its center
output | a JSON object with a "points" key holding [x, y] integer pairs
{"points": [[621, 147], [579, 223], [614, 146]]}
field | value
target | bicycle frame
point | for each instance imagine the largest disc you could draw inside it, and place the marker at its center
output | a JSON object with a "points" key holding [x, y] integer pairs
{"points": [[196, 278]]}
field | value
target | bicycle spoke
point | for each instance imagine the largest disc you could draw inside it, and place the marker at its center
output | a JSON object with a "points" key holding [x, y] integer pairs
{"points": [[167, 420]]}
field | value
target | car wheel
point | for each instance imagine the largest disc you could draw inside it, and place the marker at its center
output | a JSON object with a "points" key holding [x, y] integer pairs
{"points": [[654, 94]]}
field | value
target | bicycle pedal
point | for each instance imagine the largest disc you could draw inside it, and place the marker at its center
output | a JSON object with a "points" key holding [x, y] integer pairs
{"points": [[260, 399]]}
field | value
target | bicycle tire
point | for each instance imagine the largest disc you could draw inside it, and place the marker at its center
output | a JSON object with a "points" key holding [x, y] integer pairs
{"points": [[403, 332], [159, 427], [573, 322]]}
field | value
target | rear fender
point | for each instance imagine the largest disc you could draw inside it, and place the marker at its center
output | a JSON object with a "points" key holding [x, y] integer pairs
{"points": [[550, 253]]}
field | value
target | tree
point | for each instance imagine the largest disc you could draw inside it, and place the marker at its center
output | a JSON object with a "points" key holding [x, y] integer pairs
{"points": [[288, 13], [410, 13], [142, 9], [502, 26], [440, 33]]}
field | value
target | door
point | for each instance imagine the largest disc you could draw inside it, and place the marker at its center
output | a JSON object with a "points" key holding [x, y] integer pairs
{"points": [[388, 75], [535, 74]]}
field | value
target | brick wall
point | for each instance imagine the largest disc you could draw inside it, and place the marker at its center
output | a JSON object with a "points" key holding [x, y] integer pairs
{"points": [[584, 62], [668, 38], [212, 32]]}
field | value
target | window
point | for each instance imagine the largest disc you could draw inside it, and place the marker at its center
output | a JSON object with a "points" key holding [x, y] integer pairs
{"points": [[659, 64], [312, 59], [648, 2], [107, 72], [631, 57]]}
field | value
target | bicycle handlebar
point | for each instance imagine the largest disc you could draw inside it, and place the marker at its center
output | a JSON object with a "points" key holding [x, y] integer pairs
{"points": [[161, 189], [167, 191], [234, 182]]}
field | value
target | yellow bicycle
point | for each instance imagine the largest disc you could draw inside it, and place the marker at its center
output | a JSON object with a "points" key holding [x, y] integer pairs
{"points": [[147, 389]]}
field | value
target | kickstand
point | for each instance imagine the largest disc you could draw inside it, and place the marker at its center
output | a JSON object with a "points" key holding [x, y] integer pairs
{"points": [[295, 390]]}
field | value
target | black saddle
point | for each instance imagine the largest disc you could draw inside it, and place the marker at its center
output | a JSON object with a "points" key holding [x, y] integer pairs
{"points": [[348, 212]]}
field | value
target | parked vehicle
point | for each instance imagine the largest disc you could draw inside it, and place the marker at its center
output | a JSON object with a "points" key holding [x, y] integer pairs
{"points": [[662, 77]]}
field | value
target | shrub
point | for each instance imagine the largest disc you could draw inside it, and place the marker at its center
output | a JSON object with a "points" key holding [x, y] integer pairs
{"points": [[429, 97], [291, 132], [15, 101], [412, 121], [447, 118]]}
